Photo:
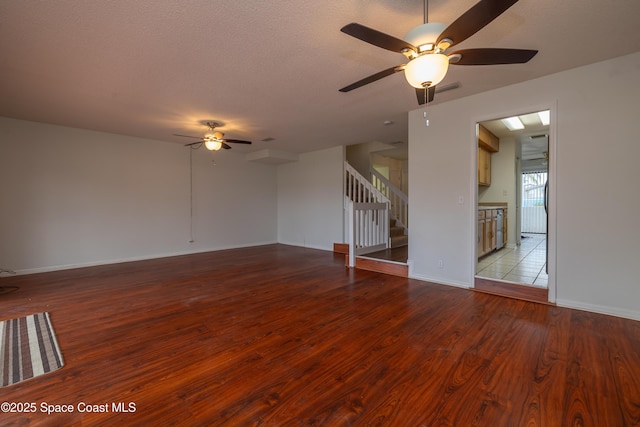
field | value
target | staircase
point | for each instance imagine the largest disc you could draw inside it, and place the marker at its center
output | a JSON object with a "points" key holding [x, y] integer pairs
{"points": [[398, 201], [376, 215], [359, 189], [397, 234]]}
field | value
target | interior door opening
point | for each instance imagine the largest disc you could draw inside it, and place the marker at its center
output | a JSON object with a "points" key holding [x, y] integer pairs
{"points": [[512, 210]]}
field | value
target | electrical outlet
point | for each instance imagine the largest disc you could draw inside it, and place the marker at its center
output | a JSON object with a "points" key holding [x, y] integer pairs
{"points": [[440, 263]]}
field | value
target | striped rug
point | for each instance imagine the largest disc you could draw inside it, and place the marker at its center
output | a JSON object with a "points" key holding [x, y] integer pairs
{"points": [[28, 348]]}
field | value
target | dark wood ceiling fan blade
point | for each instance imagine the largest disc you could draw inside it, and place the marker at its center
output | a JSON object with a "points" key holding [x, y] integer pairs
{"points": [[188, 136], [420, 94], [237, 141], [372, 78], [474, 19], [226, 146], [194, 143], [376, 37], [493, 56]]}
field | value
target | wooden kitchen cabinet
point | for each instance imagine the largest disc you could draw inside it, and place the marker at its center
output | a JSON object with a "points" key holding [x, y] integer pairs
{"points": [[488, 140], [487, 143], [488, 233], [488, 230], [484, 167], [494, 229]]}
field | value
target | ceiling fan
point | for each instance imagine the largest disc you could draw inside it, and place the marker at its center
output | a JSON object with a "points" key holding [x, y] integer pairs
{"points": [[427, 48], [213, 140]]}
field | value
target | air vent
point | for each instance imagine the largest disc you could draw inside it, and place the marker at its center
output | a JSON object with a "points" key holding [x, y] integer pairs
{"points": [[542, 135]]}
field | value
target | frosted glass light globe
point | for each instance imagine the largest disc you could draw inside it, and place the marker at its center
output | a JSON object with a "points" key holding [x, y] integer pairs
{"points": [[426, 70], [212, 144]]}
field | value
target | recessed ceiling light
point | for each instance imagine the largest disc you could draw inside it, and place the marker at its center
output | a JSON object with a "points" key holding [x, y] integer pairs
{"points": [[544, 117], [513, 123]]}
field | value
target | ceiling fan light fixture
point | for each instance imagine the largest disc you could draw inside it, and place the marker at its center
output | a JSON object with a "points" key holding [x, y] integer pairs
{"points": [[445, 44], [426, 70], [212, 143]]}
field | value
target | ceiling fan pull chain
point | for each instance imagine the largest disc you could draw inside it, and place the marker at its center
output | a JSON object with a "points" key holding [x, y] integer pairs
{"points": [[426, 103], [191, 194]]}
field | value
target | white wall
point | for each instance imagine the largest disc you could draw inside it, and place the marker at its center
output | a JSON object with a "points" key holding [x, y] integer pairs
{"points": [[310, 199], [72, 197], [596, 127]]}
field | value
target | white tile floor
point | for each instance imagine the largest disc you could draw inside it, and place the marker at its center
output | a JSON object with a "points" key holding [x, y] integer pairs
{"points": [[524, 264]]}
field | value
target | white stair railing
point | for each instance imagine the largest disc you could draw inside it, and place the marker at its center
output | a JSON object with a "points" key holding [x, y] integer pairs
{"points": [[358, 189], [398, 200], [368, 228], [367, 219]]}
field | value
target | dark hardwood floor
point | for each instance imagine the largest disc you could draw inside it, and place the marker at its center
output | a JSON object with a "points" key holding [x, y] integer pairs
{"points": [[285, 336], [399, 254]]}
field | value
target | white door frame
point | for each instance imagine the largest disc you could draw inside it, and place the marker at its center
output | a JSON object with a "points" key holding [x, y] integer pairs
{"points": [[551, 230]]}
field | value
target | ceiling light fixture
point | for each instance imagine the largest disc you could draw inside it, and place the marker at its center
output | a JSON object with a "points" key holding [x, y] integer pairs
{"points": [[212, 144], [213, 141], [513, 123], [544, 117], [426, 48], [428, 66], [426, 70]]}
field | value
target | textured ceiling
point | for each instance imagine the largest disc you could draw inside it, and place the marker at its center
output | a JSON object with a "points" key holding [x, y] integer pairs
{"points": [[266, 69]]}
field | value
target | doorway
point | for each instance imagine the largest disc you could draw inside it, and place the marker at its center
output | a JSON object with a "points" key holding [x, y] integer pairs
{"points": [[512, 201]]}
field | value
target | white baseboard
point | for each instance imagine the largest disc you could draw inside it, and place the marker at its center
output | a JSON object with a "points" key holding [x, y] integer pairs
{"points": [[132, 259], [601, 309], [440, 282], [302, 245]]}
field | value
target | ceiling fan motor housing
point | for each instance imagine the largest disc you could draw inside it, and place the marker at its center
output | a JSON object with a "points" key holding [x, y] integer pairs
{"points": [[425, 35]]}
